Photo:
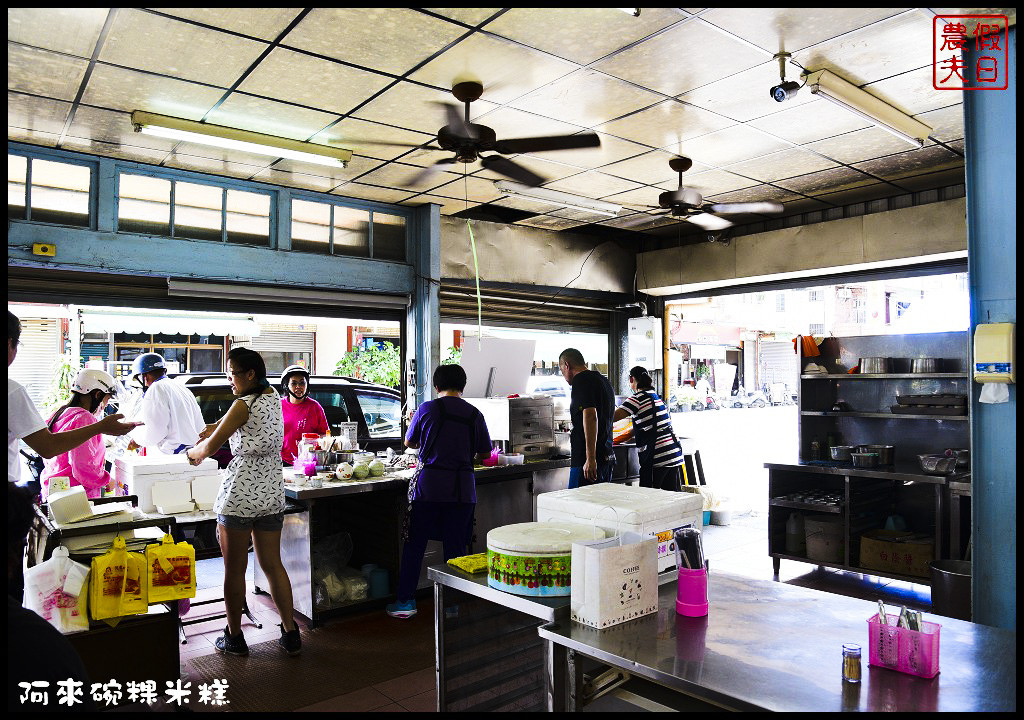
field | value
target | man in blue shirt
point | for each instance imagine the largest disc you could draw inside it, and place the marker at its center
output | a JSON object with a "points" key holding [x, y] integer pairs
{"points": [[590, 410]]}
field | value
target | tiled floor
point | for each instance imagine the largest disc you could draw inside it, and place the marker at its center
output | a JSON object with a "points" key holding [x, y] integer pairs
{"points": [[740, 548]]}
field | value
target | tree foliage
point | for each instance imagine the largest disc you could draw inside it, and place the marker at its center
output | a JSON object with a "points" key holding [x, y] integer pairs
{"points": [[380, 364]]}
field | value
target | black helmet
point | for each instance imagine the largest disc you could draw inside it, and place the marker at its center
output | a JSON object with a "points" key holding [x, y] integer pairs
{"points": [[286, 376]]}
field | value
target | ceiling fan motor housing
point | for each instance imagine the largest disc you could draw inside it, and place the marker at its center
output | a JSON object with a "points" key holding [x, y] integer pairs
{"points": [[466, 149], [684, 198]]}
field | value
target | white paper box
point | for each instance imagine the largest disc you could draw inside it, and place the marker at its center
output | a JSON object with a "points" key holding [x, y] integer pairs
{"points": [[614, 580], [174, 496], [204, 490], [624, 508]]}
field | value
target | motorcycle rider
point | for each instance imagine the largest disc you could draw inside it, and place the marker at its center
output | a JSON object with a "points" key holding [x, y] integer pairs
{"points": [[169, 410]]}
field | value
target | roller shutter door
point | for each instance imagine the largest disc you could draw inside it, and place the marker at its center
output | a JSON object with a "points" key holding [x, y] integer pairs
{"points": [[777, 363], [524, 309], [40, 348]]}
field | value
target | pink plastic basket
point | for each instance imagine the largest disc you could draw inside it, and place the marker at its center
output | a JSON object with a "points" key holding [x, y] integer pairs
{"points": [[909, 651]]}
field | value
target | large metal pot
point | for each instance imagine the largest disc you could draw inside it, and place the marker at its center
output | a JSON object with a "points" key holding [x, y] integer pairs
{"points": [[875, 365], [864, 460], [937, 464], [841, 453], [951, 588], [924, 365], [886, 453]]}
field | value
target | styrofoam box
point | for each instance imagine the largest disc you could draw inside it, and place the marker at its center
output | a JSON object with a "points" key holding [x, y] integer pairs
{"points": [[173, 496], [141, 473], [624, 508], [204, 490]]}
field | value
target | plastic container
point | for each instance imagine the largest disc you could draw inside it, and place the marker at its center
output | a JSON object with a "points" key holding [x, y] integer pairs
{"points": [[692, 592], [535, 559], [824, 536], [379, 586], [908, 651]]}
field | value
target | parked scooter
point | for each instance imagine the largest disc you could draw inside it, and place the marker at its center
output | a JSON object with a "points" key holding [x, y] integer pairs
{"points": [[706, 403], [743, 399]]}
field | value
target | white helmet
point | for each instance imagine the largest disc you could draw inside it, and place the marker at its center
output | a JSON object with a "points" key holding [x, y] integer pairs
{"points": [[89, 380]]}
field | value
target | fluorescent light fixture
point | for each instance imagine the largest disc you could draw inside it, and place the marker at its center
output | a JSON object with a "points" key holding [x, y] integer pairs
{"points": [[846, 95], [556, 197], [234, 139]]}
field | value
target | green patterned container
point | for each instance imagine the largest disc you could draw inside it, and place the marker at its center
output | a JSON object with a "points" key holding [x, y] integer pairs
{"points": [[535, 558]]}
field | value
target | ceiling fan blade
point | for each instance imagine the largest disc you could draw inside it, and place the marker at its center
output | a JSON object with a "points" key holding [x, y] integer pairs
{"points": [[510, 169], [708, 222], [456, 121], [427, 172], [767, 207], [551, 142]]}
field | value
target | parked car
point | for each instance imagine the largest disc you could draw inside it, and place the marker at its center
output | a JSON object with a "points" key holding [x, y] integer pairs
{"points": [[377, 408]]}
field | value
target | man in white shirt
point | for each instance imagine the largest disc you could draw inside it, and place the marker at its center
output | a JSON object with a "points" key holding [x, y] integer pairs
{"points": [[168, 410], [25, 423]]}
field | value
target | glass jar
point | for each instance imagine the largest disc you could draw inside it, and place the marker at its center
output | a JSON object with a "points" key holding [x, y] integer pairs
{"points": [[851, 663]]}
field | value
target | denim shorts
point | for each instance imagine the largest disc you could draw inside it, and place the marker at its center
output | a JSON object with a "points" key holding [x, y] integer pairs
{"points": [[266, 523]]}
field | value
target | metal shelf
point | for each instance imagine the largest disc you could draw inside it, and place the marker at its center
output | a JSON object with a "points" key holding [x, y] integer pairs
{"points": [[850, 568], [892, 415], [886, 376], [809, 507]]}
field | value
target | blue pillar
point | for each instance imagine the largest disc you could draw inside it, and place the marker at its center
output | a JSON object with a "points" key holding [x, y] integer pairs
{"points": [[990, 121], [425, 315]]}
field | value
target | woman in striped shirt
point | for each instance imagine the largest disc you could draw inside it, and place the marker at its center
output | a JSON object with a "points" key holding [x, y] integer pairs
{"points": [[660, 453]]}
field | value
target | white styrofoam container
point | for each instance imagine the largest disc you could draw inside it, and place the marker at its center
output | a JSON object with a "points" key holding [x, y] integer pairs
{"points": [[172, 496], [137, 465], [204, 490], [624, 508]]}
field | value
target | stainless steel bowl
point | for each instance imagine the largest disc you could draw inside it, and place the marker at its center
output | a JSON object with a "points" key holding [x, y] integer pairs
{"points": [[886, 453], [864, 460], [924, 365], [841, 453], [937, 464], [875, 365]]}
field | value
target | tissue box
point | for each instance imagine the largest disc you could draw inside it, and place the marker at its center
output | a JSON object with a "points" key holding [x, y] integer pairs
{"points": [[174, 496]]}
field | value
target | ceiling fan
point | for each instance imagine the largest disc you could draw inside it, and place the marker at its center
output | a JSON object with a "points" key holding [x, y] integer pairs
{"points": [[688, 205], [469, 140]]}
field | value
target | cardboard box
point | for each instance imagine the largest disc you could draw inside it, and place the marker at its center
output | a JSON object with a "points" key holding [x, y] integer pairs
{"points": [[879, 550]]}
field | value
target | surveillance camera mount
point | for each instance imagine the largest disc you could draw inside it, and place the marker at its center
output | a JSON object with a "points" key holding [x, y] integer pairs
{"points": [[784, 90], [782, 57]]}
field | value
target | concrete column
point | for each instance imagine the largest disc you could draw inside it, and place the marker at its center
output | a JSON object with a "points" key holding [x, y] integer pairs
{"points": [[424, 315]]}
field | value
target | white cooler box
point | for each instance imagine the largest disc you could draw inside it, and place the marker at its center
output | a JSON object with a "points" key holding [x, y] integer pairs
{"points": [[624, 508], [141, 473]]}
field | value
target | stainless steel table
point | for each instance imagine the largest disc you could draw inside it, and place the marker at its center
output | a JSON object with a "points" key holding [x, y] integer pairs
{"points": [[770, 646]]}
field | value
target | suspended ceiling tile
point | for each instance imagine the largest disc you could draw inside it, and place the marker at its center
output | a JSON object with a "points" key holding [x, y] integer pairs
{"points": [[325, 84], [506, 70], [469, 16], [611, 150], [586, 98], [930, 181], [135, 153], [115, 127], [860, 145], [212, 166], [809, 122], [593, 184], [666, 123], [122, 89], [946, 123], [758, 193], [448, 205], [425, 157], [865, 193], [650, 168], [550, 222], [710, 182], [584, 34], [724, 147], [959, 146], [35, 113], [636, 223], [393, 40], [509, 123], [913, 93], [44, 73], [73, 31], [790, 29], [669, 64], [369, 192], [182, 50], [583, 216], [299, 180], [263, 23], [35, 137], [469, 188], [400, 177], [915, 162], [893, 46], [640, 198], [414, 107], [212, 152], [269, 117], [744, 96], [358, 135], [802, 205], [485, 174], [545, 168], [519, 203], [840, 178], [783, 164]]}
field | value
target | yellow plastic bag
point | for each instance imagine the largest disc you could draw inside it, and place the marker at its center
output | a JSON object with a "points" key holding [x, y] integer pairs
{"points": [[172, 570], [117, 583]]}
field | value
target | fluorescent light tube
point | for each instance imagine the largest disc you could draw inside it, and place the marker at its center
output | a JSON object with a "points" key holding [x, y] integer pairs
{"points": [[556, 197], [846, 95], [235, 139]]}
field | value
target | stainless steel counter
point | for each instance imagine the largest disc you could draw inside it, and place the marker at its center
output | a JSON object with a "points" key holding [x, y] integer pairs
{"points": [[770, 646], [546, 609], [905, 472]]}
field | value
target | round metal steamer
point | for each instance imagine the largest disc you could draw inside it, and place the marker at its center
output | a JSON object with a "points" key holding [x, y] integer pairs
{"points": [[535, 558]]}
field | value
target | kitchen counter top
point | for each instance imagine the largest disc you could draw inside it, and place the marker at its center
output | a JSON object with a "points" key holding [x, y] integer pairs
{"points": [[766, 645], [899, 471]]}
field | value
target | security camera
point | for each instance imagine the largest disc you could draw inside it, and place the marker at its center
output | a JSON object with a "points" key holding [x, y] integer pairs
{"points": [[784, 91]]}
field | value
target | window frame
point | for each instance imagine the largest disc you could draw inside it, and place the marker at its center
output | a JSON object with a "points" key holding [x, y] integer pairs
{"points": [[369, 209], [91, 165]]}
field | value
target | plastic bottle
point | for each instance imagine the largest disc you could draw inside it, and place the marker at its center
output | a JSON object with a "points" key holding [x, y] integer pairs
{"points": [[796, 541]]}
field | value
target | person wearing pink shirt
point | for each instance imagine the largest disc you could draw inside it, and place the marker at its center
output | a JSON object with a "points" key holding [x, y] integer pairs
{"points": [[85, 464], [302, 414]]}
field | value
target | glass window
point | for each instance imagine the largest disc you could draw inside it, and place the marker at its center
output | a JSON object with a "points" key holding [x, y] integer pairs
{"points": [[276, 362], [383, 414], [144, 205], [197, 211], [248, 218], [60, 193], [351, 232], [388, 237], [205, 360], [334, 406], [17, 169], [311, 231]]}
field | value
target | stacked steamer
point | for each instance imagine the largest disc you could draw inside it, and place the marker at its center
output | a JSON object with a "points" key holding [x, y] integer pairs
{"points": [[535, 558], [168, 483], [624, 508]]}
